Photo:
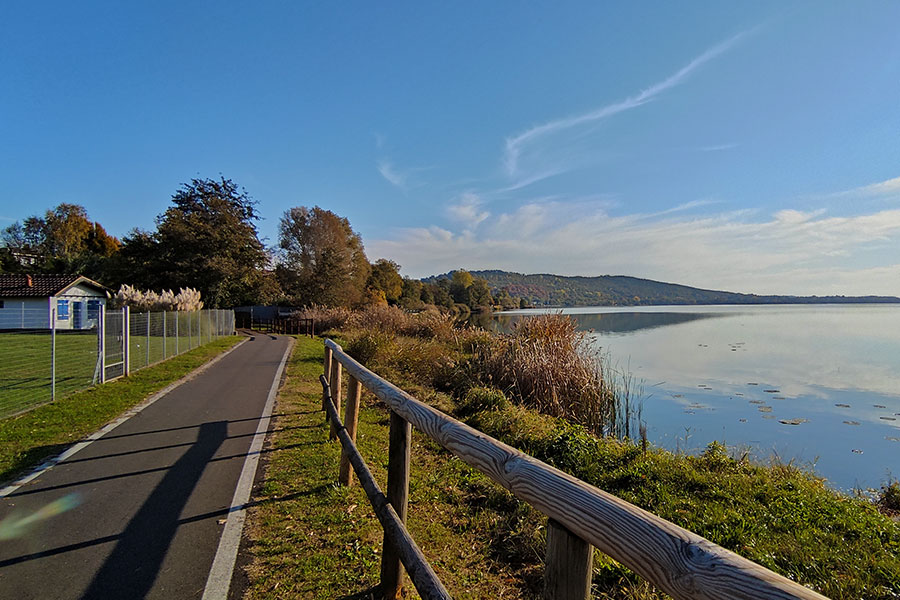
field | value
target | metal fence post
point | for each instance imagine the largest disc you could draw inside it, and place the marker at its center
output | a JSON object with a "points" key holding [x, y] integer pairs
{"points": [[177, 315], [164, 335], [126, 340], [101, 332], [148, 338], [52, 354]]}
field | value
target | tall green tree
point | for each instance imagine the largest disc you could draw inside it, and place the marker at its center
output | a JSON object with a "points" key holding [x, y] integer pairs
{"points": [[321, 258], [208, 240], [385, 277]]}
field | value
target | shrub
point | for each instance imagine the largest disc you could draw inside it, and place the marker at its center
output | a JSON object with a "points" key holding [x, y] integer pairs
{"points": [[480, 399], [889, 499], [325, 318], [387, 319], [370, 346]]}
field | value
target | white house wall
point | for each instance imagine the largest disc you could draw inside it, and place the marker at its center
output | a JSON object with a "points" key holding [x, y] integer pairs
{"points": [[25, 313], [34, 313], [78, 293]]}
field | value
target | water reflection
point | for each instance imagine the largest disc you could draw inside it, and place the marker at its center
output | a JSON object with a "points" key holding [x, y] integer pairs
{"points": [[613, 323], [818, 385]]}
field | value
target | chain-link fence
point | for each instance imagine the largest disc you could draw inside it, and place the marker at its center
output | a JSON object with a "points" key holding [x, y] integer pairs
{"points": [[155, 336], [40, 361]]}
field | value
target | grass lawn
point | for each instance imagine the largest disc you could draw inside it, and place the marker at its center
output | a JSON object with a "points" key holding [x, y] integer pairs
{"points": [[314, 539], [28, 439], [25, 362], [25, 365]]}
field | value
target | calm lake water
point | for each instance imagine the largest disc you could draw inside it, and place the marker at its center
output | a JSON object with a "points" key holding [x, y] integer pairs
{"points": [[818, 385]]}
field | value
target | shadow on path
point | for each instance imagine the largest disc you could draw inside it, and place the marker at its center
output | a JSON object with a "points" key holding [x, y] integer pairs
{"points": [[134, 563]]}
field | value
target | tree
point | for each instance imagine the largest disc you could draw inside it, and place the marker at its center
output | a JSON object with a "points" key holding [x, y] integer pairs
{"points": [[480, 293], [207, 240], [101, 243], [64, 240], [385, 276], [322, 260], [412, 294], [67, 230]]}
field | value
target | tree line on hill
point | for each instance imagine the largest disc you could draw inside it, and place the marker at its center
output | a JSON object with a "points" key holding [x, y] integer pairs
{"points": [[207, 240], [619, 290]]}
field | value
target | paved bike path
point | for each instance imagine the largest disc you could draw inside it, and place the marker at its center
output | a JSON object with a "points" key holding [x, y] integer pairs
{"points": [[139, 512]]}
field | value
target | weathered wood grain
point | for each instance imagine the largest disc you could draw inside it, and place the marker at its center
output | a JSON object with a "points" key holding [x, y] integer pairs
{"points": [[423, 577], [568, 566], [351, 420], [675, 560], [334, 382], [327, 372], [397, 495]]}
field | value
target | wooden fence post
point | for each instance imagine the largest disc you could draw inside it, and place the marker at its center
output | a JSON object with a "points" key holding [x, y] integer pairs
{"points": [[397, 495], [327, 373], [334, 383], [568, 565], [351, 417]]}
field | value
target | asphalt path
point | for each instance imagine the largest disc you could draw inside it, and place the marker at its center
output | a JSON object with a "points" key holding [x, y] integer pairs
{"points": [[139, 512]]}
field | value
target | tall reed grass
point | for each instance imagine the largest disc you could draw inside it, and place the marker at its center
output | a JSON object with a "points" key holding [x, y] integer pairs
{"points": [[546, 363]]}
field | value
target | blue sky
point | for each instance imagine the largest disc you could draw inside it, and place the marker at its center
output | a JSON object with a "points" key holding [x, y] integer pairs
{"points": [[749, 146]]}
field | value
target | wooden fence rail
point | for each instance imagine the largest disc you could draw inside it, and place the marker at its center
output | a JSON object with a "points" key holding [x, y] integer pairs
{"points": [[403, 548], [581, 517]]}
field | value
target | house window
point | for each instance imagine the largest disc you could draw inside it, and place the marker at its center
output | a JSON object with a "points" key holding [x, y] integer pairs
{"points": [[62, 310], [93, 309], [1, 303]]}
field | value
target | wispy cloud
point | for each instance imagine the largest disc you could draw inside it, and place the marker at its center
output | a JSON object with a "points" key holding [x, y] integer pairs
{"points": [[889, 187], [393, 177], [717, 147], [516, 144], [467, 210], [789, 252]]}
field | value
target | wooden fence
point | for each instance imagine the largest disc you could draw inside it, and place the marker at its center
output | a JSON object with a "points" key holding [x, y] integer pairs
{"points": [[675, 560], [285, 325]]}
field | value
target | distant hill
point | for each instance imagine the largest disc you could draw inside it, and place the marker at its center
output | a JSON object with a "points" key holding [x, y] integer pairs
{"points": [[619, 290]]}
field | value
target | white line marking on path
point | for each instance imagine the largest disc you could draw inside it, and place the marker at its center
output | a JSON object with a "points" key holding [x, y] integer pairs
{"points": [[69, 452], [222, 569]]}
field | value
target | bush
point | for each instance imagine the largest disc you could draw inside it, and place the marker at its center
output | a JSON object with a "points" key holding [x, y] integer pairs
{"points": [[479, 399], [370, 347], [325, 318], [889, 499], [387, 319]]}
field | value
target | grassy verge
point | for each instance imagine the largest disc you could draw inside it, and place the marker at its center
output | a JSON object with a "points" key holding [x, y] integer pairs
{"points": [[28, 439], [311, 538]]}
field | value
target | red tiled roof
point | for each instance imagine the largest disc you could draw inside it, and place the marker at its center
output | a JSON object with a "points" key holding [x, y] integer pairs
{"points": [[16, 286]]}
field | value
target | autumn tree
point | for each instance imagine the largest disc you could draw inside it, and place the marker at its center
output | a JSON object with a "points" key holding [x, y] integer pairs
{"points": [[321, 258], [63, 240], [385, 277]]}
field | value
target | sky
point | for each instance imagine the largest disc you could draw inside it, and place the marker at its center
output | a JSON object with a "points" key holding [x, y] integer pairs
{"points": [[745, 146]]}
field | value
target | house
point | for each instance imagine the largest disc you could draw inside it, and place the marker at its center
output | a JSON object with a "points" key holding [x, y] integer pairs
{"points": [[29, 301]]}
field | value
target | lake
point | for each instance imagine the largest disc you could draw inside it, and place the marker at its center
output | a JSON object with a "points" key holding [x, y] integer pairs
{"points": [[818, 385]]}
